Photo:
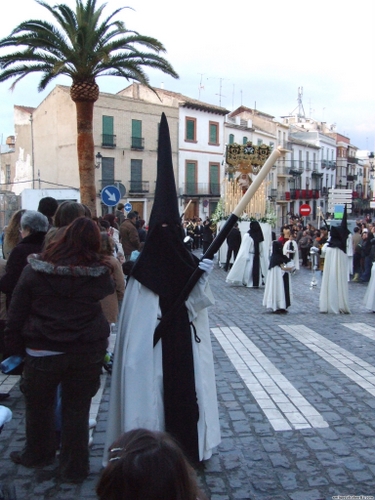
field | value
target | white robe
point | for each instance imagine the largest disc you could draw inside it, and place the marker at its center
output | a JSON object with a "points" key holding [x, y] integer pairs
{"points": [[136, 398], [242, 269], [290, 255], [369, 298], [334, 292], [274, 292]]}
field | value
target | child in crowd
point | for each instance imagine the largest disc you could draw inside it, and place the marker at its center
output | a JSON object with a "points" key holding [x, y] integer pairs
{"points": [[147, 465]]}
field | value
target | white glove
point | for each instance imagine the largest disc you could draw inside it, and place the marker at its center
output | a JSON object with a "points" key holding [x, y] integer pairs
{"points": [[206, 265]]}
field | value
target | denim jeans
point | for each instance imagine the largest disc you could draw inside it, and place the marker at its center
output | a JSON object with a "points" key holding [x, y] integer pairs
{"points": [[79, 376]]}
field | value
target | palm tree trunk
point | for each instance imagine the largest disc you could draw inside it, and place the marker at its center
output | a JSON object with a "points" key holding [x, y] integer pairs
{"points": [[85, 150]]}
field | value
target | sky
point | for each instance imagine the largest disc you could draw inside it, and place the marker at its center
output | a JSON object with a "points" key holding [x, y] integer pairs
{"points": [[256, 54]]}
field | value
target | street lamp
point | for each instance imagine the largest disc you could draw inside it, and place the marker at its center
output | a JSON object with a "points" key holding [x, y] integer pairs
{"points": [[99, 159]]}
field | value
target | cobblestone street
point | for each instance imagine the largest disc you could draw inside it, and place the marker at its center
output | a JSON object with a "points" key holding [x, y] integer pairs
{"points": [[296, 399]]}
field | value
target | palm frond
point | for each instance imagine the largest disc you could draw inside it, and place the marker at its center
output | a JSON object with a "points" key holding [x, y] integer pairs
{"points": [[82, 44]]}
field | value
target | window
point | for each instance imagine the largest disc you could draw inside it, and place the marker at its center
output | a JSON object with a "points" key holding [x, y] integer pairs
{"points": [[214, 133], [108, 171], [214, 179], [244, 140], [108, 139], [136, 176], [231, 139], [191, 177], [272, 145], [259, 142], [190, 129], [137, 140]]}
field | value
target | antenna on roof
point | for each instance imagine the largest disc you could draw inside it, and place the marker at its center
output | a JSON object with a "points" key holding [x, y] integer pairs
{"points": [[201, 87], [301, 111]]}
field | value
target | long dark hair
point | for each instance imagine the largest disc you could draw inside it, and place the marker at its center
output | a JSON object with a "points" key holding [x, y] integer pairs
{"points": [[79, 245], [66, 212], [147, 465]]}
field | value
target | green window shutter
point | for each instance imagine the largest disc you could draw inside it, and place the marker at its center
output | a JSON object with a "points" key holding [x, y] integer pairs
{"points": [[213, 133], [190, 178], [136, 175], [137, 141], [231, 139], [107, 125], [108, 171], [137, 128], [108, 137], [244, 140], [190, 130], [214, 179]]}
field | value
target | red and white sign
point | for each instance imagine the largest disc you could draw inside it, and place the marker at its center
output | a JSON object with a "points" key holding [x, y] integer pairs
{"points": [[305, 210]]}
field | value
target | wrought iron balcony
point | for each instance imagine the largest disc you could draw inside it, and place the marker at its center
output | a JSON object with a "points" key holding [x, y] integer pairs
{"points": [[139, 187], [316, 194], [282, 171], [283, 196], [138, 143], [200, 189], [108, 141]]}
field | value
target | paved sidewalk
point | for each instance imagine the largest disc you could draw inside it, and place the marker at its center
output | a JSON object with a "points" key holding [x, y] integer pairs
{"points": [[296, 399]]}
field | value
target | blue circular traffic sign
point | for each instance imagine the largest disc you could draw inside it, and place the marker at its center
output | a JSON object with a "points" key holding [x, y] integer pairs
{"points": [[128, 207], [110, 196]]}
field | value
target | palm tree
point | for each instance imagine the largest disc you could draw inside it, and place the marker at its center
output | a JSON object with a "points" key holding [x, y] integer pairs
{"points": [[83, 47]]}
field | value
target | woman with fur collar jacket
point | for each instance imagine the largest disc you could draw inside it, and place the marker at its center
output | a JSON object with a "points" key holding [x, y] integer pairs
{"points": [[56, 320]]}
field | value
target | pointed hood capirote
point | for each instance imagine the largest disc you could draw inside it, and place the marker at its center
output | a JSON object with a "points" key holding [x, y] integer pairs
{"points": [[339, 234], [164, 266]]}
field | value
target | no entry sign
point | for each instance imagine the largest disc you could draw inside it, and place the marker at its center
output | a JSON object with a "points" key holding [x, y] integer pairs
{"points": [[305, 210]]}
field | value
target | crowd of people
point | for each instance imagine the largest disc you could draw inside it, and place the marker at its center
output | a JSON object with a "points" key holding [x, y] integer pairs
{"points": [[339, 254]]}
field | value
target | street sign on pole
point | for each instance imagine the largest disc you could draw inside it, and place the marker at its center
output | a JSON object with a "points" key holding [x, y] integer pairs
{"points": [[110, 196], [305, 209], [128, 207]]}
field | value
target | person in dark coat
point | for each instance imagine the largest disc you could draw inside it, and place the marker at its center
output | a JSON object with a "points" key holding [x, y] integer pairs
{"points": [[56, 321], [34, 227], [207, 235], [234, 243]]}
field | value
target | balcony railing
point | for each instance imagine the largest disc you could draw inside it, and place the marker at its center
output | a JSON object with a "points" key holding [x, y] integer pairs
{"points": [[332, 165], [324, 163], [138, 143], [308, 165], [281, 196], [282, 170], [139, 187], [108, 141], [296, 194], [351, 177], [102, 183], [200, 189]]}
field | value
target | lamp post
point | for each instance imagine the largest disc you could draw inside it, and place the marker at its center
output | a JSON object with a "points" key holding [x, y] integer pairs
{"points": [[99, 160]]}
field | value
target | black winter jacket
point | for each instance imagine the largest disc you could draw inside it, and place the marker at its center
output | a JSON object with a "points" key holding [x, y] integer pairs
{"points": [[17, 260], [58, 309]]}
